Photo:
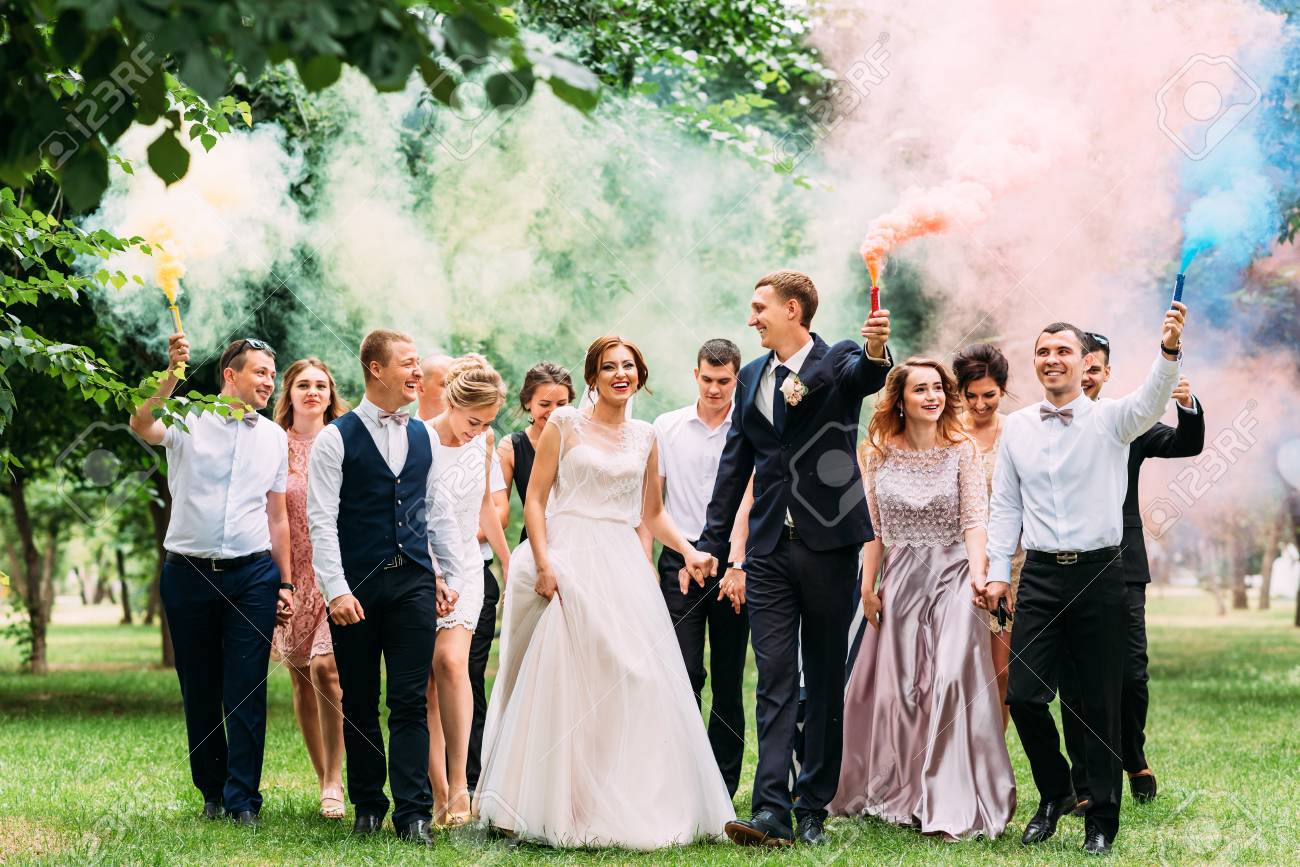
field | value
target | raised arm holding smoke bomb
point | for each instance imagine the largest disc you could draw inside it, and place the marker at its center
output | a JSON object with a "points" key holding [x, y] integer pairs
{"points": [[1059, 483]]}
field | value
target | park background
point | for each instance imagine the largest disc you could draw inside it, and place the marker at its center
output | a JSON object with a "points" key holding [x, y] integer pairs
{"points": [[517, 180]]}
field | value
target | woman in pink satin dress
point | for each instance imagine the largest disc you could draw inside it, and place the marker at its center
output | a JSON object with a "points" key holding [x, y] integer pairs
{"points": [[923, 738]]}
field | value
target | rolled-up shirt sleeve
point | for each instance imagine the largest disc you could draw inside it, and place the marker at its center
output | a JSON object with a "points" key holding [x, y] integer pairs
{"points": [[1005, 513], [443, 532], [324, 479]]}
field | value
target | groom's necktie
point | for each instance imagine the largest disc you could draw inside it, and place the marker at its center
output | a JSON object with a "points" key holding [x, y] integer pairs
{"points": [[778, 399]]}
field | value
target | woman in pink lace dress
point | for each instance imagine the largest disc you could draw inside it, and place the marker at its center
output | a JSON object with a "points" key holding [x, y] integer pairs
{"points": [[307, 403], [923, 738]]}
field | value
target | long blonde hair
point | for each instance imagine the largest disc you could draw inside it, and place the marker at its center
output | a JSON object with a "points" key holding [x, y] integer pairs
{"points": [[888, 422], [334, 407]]}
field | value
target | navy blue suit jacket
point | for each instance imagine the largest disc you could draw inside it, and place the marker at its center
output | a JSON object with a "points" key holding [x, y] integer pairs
{"points": [[810, 468]]}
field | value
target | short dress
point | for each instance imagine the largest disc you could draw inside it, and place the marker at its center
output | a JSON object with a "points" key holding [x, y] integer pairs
{"points": [[989, 459], [462, 477]]}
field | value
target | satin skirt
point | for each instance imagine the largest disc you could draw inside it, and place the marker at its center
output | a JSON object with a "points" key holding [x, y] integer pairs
{"points": [[592, 736], [923, 739]]}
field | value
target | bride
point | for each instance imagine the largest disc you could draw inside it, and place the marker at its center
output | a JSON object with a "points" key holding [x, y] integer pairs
{"points": [[593, 737]]}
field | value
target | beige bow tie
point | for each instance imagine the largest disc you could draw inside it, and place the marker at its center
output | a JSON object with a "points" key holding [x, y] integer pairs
{"points": [[250, 418], [1064, 416], [401, 418]]}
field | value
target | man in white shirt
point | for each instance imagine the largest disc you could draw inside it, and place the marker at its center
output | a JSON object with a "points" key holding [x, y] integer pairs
{"points": [[1062, 471], [226, 575], [375, 518], [690, 447]]}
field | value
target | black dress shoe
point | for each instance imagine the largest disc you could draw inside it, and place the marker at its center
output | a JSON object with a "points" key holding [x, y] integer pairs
{"points": [[1043, 825], [416, 832], [811, 830], [245, 817], [213, 810], [1094, 839], [366, 824], [762, 830], [1143, 788]]}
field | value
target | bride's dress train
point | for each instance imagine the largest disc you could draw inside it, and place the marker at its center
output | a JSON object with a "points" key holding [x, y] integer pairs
{"points": [[593, 737]]}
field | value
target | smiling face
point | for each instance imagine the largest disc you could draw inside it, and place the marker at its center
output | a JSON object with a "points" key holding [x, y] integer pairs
{"points": [[1059, 362], [923, 396], [254, 382], [309, 393], [546, 400], [1095, 375], [466, 424], [774, 319], [717, 383], [616, 377], [395, 381], [982, 397]]}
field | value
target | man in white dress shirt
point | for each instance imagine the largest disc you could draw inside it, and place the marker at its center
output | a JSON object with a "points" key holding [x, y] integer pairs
{"points": [[690, 446], [226, 573], [1062, 470], [375, 518]]}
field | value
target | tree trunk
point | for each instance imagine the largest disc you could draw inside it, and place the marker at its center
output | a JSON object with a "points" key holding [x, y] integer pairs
{"points": [[1235, 561], [125, 588], [38, 612], [1272, 536], [160, 512], [1293, 501]]}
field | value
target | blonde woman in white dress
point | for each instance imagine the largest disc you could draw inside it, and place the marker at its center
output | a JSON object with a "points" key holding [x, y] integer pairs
{"points": [[464, 452]]}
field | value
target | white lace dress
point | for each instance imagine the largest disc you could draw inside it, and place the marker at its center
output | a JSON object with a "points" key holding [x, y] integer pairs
{"points": [[462, 479], [593, 737]]}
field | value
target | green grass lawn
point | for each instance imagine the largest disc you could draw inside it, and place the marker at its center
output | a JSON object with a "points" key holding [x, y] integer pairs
{"points": [[92, 768]]}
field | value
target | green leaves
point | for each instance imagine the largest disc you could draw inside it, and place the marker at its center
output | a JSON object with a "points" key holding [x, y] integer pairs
{"points": [[168, 157], [85, 177], [321, 71], [570, 81]]}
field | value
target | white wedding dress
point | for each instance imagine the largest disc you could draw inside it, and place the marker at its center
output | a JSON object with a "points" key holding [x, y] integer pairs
{"points": [[593, 737]]}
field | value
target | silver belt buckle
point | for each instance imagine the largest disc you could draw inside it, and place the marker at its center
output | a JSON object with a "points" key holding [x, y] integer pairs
{"points": [[1067, 558], [215, 565], [395, 562]]}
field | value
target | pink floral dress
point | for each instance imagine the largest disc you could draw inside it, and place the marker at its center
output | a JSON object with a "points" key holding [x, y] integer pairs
{"points": [[307, 633]]}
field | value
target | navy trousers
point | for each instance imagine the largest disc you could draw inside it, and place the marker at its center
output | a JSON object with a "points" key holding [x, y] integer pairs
{"points": [[221, 624]]}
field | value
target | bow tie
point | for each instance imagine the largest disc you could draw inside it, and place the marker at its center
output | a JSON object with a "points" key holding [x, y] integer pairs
{"points": [[1064, 416], [250, 418], [401, 418]]}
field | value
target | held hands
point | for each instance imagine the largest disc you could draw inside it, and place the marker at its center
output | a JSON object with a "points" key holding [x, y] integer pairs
{"points": [[1183, 393], [872, 606], [698, 566], [446, 597], [875, 332], [995, 590], [1171, 334], [346, 610], [283, 607], [732, 587]]}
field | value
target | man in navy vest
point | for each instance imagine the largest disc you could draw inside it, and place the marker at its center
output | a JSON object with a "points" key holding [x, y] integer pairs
{"points": [[795, 427], [374, 517]]}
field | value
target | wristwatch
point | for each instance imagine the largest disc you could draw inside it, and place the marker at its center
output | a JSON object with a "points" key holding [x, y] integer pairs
{"points": [[737, 564], [1176, 352], [285, 585]]}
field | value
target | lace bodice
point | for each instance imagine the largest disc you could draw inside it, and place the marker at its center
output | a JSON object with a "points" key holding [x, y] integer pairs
{"points": [[462, 479], [602, 467], [926, 498]]}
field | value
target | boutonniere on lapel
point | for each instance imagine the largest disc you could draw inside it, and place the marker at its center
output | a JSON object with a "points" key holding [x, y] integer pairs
{"points": [[793, 389]]}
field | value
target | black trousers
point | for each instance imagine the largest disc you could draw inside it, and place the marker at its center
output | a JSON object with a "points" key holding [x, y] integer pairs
{"points": [[221, 625], [1065, 614], [694, 613], [795, 595], [480, 648], [400, 625], [1134, 699]]}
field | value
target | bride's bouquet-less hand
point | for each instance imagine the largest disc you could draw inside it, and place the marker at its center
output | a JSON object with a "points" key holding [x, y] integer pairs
{"points": [[547, 585]]}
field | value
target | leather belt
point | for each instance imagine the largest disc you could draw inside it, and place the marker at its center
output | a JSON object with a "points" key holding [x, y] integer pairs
{"points": [[1070, 558], [214, 565]]}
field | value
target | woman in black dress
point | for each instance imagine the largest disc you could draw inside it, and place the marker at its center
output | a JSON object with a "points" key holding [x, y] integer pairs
{"points": [[547, 386]]}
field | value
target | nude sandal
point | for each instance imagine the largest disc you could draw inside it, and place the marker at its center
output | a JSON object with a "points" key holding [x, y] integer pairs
{"points": [[331, 804]]}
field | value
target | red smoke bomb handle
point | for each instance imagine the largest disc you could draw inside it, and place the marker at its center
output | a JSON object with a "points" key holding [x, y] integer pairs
{"points": [[875, 299]]}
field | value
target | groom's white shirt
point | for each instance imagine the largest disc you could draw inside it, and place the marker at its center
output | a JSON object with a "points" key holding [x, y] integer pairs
{"points": [[767, 382], [1064, 484]]}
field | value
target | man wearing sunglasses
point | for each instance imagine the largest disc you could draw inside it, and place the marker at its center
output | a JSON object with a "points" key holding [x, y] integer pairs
{"points": [[1161, 441], [226, 575]]}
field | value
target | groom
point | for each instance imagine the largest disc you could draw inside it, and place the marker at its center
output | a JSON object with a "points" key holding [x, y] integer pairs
{"points": [[795, 426]]}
